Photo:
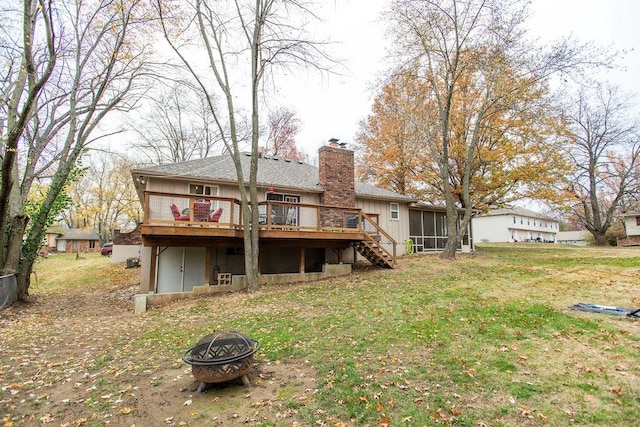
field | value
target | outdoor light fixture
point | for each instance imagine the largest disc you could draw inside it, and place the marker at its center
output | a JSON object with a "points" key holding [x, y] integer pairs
{"points": [[142, 180]]}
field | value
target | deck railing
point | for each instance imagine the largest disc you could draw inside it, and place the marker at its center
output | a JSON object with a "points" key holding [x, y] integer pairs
{"points": [[181, 209], [177, 209]]}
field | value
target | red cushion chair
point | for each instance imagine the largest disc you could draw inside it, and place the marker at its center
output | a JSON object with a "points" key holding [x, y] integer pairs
{"points": [[201, 211], [177, 215], [215, 216]]}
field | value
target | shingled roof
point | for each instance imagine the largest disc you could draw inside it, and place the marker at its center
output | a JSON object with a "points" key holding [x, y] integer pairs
{"points": [[272, 171], [79, 234], [516, 210]]}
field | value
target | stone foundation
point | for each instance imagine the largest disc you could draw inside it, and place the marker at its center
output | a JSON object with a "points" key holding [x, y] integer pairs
{"points": [[238, 283]]}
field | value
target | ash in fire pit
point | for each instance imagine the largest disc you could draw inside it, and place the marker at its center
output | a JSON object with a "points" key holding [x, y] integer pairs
{"points": [[220, 357]]}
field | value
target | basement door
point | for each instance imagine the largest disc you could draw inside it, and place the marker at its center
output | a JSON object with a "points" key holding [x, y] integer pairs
{"points": [[180, 269]]}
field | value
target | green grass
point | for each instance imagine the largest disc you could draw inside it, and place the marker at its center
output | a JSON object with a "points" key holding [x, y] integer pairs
{"points": [[485, 339]]}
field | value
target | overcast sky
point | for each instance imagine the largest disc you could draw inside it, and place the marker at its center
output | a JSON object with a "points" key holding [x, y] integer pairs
{"points": [[332, 107]]}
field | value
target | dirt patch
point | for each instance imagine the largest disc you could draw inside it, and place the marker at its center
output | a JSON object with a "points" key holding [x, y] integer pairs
{"points": [[56, 369], [172, 399]]}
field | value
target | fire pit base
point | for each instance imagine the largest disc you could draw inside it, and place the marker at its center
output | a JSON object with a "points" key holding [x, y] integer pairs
{"points": [[201, 386]]}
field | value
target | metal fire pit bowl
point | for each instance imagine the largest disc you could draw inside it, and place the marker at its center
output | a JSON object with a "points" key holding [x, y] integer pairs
{"points": [[221, 357]]}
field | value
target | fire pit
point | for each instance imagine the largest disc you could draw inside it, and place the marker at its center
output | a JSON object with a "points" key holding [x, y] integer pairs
{"points": [[220, 357]]}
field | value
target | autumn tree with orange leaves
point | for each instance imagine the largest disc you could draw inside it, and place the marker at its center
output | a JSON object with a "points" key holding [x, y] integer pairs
{"points": [[390, 141], [505, 167], [487, 116]]}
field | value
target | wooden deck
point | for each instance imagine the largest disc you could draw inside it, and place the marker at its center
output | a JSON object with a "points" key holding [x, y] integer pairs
{"points": [[188, 220]]}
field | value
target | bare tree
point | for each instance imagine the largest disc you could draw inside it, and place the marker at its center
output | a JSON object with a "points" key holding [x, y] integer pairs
{"points": [[468, 53], [104, 197], [28, 63], [284, 126], [177, 127], [606, 156], [242, 41], [100, 54]]}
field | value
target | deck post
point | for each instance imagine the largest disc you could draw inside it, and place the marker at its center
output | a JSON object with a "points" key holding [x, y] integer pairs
{"points": [[152, 269], [207, 266], [302, 260]]}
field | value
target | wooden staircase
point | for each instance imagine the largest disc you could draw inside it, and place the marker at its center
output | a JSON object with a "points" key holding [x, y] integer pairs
{"points": [[374, 244], [374, 252]]}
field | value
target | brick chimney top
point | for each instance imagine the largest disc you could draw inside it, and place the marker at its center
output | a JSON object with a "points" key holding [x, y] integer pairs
{"points": [[333, 142]]}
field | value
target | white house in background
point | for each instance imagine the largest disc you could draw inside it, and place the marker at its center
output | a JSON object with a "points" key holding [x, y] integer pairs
{"points": [[632, 228], [578, 238], [514, 224]]}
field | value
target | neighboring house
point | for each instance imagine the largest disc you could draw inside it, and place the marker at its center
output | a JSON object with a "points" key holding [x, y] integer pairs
{"points": [[314, 222], [514, 224], [51, 235], [78, 240], [126, 244], [578, 238], [632, 228]]}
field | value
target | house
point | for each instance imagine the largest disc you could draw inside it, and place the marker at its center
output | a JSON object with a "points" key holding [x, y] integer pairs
{"points": [[631, 223], [514, 224], [578, 238], [126, 244], [78, 240], [50, 242], [314, 222]]}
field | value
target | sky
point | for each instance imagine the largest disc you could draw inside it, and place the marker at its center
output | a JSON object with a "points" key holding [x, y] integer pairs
{"points": [[333, 106]]}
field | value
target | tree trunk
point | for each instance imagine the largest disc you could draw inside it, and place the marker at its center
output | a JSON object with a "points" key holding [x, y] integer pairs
{"points": [[24, 278], [453, 237], [17, 226], [599, 238]]}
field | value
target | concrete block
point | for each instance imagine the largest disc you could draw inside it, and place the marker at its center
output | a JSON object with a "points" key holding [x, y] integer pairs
{"points": [[140, 303]]}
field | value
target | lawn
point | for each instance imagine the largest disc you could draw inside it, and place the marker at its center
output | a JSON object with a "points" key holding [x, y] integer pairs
{"points": [[485, 340]]}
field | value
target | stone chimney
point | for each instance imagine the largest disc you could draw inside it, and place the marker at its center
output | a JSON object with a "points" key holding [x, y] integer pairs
{"points": [[336, 176]]}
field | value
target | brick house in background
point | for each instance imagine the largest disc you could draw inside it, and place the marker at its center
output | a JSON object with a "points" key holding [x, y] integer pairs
{"points": [[81, 240]]}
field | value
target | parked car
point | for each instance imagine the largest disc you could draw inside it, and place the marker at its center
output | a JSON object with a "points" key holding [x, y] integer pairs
{"points": [[107, 248]]}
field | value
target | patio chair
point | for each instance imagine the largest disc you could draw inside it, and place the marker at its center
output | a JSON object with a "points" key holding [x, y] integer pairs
{"points": [[177, 215], [201, 211], [215, 216]]}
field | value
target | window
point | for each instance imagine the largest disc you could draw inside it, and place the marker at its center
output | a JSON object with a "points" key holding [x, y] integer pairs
{"points": [[92, 244], [514, 219], [203, 190], [395, 211], [638, 220], [282, 213]]}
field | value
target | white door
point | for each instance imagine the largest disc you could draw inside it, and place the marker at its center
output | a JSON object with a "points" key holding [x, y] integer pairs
{"points": [[193, 268], [169, 270], [180, 269]]}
